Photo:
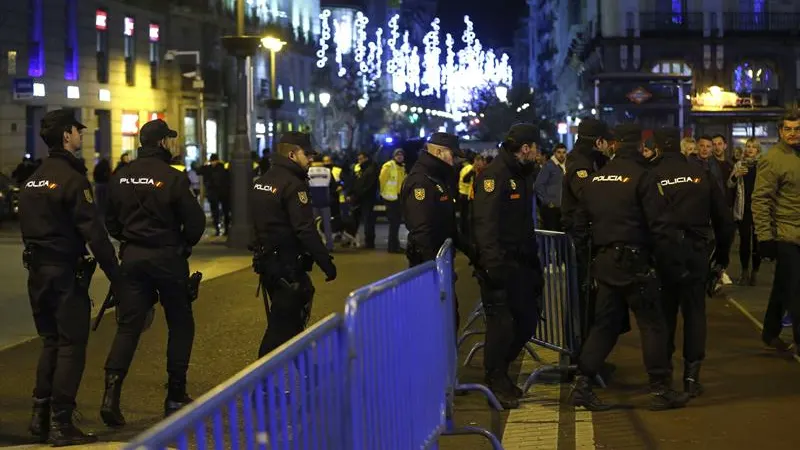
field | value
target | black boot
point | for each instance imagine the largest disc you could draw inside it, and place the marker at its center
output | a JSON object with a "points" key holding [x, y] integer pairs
{"points": [[177, 398], [64, 433], [582, 395], [514, 388], [663, 397], [691, 378], [109, 410], [40, 418], [502, 387]]}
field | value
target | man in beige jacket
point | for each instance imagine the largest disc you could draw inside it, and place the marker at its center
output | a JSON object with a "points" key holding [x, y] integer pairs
{"points": [[776, 214]]}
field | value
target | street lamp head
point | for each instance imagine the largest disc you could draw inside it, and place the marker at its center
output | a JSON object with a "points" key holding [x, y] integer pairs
{"points": [[501, 92], [272, 43], [324, 99]]}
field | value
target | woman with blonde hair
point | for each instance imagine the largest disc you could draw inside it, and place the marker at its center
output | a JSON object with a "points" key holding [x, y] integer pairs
{"points": [[743, 178], [688, 146]]}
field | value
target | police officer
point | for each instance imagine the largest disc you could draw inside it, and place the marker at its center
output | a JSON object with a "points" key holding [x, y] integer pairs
{"points": [[586, 158], [628, 229], [428, 204], [155, 216], [508, 267], [57, 219], [695, 206], [286, 241]]}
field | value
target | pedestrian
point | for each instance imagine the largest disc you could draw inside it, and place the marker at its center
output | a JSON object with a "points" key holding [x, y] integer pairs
{"points": [[507, 259], [154, 215], [286, 241], [548, 188], [58, 219], [101, 175], [363, 194], [428, 204], [743, 181], [321, 183], [393, 172], [594, 139], [775, 202], [218, 186], [124, 160], [699, 210], [628, 228]]}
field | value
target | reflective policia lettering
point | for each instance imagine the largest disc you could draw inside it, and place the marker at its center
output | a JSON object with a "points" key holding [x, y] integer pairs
{"points": [[265, 188], [679, 180], [40, 184], [140, 181], [615, 178]]}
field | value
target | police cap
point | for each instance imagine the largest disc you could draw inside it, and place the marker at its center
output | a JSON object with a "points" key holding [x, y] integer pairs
{"points": [[668, 139], [300, 139], [60, 119], [591, 127], [523, 133], [154, 131], [447, 140], [628, 133]]}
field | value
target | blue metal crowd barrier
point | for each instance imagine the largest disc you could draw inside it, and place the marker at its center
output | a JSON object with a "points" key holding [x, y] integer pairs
{"points": [[560, 328], [295, 397]]}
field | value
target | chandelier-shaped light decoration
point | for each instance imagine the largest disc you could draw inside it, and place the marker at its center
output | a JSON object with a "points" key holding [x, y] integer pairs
{"points": [[432, 76], [324, 38]]}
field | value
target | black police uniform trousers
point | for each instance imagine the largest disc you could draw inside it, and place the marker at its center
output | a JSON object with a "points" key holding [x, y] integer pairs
{"points": [[220, 204], [287, 302], [618, 291], [394, 213], [690, 299], [512, 315], [785, 294], [61, 313], [147, 276]]}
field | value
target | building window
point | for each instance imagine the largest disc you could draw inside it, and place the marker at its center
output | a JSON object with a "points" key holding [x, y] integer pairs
{"points": [[311, 97], [302, 97], [101, 30], [672, 68], [130, 51], [36, 40], [291, 94], [752, 76], [280, 91], [154, 53], [71, 66], [12, 62]]}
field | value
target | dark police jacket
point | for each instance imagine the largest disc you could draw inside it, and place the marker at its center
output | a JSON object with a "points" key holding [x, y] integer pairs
{"points": [[623, 206], [502, 218], [57, 214], [365, 185], [429, 207], [217, 180], [582, 163], [150, 204], [695, 203], [282, 214]]}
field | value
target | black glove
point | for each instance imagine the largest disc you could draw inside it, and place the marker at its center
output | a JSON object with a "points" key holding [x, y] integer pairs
{"points": [[768, 249], [329, 268]]}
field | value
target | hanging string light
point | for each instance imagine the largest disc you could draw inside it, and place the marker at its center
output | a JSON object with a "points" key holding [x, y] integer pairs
{"points": [[325, 37]]}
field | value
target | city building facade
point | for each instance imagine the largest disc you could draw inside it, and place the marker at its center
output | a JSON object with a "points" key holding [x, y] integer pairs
{"points": [[727, 67], [118, 64]]}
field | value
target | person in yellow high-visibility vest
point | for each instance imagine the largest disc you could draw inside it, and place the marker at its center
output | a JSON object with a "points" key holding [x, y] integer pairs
{"points": [[393, 172], [465, 177]]}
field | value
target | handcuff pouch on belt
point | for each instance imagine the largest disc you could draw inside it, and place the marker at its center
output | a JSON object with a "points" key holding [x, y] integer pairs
{"points": [[87, 265], [271, 269]]}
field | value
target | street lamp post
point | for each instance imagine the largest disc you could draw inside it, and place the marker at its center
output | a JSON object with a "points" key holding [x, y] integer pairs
{"points": [[274, 45], [241, 46], [324, 100]]}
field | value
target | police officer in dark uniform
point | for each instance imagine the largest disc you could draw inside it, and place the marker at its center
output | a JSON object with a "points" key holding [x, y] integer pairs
{"points": [[508, 267], [629, 229], [286, 241], [695, 206], [586, 158], [57, 219], [429, 206], [153, 213]]}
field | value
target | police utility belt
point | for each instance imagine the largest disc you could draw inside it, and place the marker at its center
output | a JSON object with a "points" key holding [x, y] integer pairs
{"points": [[85, 265], [270, 262]]}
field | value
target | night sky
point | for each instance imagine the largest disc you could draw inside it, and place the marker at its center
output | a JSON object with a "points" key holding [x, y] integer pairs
{"points": [[495, 20]]}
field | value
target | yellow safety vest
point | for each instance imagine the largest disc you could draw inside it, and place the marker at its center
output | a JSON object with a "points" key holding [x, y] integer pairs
{"points": [[180, 167], [336, 171], [391, 179], [464, 187]]}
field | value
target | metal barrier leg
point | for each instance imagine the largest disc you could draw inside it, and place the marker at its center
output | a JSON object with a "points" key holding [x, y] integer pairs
{"points": [[533, 353], [467, 334], [531, 380], [600, 382], [474, 315], [472, 352], [496, 445], [490, 397]]}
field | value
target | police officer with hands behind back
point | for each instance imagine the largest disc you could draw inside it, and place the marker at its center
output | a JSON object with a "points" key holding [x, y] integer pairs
{"points": [[695, 206], [286, 241], [57, 219], [154, 215], [629, 228], [508, 267], [428, 204]]}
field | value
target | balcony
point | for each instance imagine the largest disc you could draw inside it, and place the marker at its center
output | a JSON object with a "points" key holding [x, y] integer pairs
{"points": [[761, 23], [656, 22]]}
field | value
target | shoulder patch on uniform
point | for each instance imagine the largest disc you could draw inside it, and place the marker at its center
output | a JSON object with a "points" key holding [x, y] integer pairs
{"points": [[303, 197], [419, 194], [488, 185], [513, 185], [88, 194], [582, 174]]}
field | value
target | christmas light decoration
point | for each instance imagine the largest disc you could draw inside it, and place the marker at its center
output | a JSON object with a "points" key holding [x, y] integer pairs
{"points": [[324, 37], [361, 38], [432, 77]]}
